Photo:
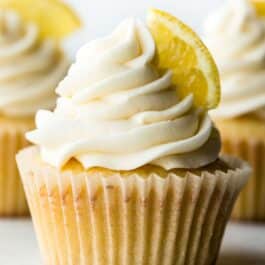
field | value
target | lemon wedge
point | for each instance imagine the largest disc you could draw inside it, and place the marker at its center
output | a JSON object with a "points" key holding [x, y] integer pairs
{"points": [[182, 51], [260, 7], [54, 18]]}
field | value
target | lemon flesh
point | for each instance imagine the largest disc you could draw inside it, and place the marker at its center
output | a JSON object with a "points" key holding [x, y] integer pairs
{"points": [[181, 50], [260, 7]]}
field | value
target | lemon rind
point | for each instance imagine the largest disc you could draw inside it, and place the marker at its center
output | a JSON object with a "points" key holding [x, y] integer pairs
{"points": [[206, 62]]}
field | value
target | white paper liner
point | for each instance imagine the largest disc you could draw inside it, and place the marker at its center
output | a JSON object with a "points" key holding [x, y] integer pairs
{"points": [[81, 219], [251, 202]]}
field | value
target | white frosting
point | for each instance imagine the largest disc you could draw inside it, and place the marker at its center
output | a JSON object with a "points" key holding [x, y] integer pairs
{"points": [[116, 111], [29, 70], [236, 36]]}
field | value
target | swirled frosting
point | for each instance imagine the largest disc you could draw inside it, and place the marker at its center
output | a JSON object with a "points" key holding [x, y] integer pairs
{"points": [[116, 111], [30, 70], [236, 36]]}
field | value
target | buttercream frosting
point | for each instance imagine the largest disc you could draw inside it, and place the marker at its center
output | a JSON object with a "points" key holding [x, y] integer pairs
{"points": [[236, 36], [117, 111], [30, 69]]}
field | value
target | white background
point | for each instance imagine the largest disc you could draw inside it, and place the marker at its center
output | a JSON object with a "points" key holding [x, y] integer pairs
{"points": [[102, 16]]}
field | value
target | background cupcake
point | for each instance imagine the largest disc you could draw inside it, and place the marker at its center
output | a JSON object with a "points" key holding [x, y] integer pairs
{"points": [[236, 36], [31, 65], [126, 168]]}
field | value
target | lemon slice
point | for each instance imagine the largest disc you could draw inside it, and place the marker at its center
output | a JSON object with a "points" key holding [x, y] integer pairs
{"points": [[260, 7], [54, 18], [182, 51]]}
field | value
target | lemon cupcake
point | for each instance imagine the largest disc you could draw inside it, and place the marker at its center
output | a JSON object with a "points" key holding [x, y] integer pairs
{"points": [[126, 170], [236, 36], [31, 67]]}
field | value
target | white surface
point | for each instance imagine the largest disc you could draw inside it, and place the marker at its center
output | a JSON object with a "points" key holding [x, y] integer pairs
{"points": [[243, 244], [18, 245]]}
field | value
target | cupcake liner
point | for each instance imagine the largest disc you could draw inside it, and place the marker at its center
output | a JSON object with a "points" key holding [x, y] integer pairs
{"points": [[251, 202], [83, 219], [12, 197]]}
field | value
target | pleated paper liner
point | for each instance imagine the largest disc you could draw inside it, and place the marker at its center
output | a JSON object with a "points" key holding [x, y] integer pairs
{"points": [[93, 219], [244, 137], [12, 197], [251, 202]]}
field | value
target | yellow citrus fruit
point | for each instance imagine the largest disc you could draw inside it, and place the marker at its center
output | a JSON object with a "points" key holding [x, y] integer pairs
{"points": [[53, 17], [260, 7], [182, 51]]}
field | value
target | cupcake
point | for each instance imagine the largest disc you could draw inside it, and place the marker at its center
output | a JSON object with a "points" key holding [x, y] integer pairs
{"points": [[236, 36], [126, 169], [31, 67]]}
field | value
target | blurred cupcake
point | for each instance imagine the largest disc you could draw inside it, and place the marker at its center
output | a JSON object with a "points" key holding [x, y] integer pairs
{"points": [[31, 67], [127, 170], [236, 36]]}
